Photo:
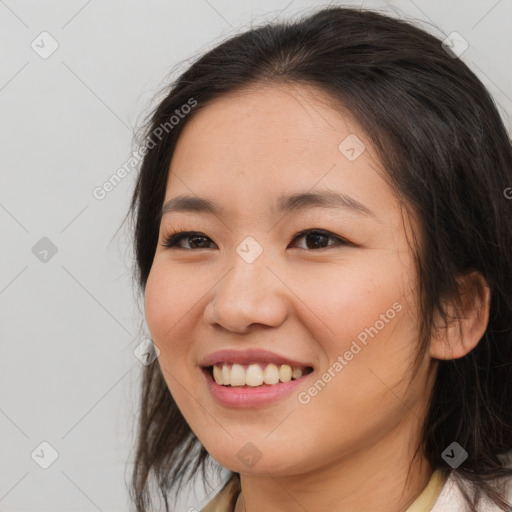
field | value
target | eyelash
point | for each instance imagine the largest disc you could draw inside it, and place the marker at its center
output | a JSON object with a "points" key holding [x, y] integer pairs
{"points": [[176, 236]]}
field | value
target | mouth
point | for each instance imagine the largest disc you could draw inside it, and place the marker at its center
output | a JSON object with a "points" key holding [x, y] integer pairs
{"points": [[254, 375]]}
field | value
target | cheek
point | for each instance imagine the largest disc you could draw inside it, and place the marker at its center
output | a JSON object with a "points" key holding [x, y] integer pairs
{"points": [[350, 302], [167, 309], [168, 300], [156, 303], [375, 331], [367, 328], [167, 304]]}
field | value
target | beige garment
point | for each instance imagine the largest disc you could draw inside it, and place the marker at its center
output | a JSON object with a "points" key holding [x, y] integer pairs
{"points": [[225, 500]]}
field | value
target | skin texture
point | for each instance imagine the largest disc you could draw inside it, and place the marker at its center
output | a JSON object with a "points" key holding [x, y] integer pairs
{"points": [[350, 447]]}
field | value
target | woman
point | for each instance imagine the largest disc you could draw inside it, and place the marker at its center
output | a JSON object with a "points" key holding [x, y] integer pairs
{"points": [[323, 242]]}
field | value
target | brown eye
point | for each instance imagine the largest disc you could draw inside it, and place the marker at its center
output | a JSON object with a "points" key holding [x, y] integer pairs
{"points": [[196, 240], [319, 239], [315, 239]]}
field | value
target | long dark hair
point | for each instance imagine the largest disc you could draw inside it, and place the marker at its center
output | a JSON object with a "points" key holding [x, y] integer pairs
{"points": [[447, 155]]}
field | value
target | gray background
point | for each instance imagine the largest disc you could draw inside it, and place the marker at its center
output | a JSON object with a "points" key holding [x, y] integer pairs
{"points": [[70, 320]]}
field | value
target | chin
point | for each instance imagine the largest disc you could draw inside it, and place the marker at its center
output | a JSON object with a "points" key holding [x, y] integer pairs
{"points": [[251, 458]]}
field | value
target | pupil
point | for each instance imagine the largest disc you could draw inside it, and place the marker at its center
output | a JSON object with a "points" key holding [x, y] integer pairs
{"points": [[199, 238], [316, 237]]}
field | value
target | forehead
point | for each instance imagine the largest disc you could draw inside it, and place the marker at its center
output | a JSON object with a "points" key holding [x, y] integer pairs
{"points": [[271, 122], [256, 145]]}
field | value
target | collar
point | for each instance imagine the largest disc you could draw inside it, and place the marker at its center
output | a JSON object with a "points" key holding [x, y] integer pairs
{"points": [[225, 500]]}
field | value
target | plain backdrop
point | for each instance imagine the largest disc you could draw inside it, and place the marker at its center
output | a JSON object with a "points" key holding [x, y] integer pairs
{"points": [[77, 78]]}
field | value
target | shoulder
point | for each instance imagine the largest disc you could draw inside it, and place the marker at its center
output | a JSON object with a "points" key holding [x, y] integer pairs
{"points": [[452, 500]]}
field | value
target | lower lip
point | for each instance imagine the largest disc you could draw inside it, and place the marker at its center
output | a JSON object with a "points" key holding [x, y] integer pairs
{"points": [[241, 396]]}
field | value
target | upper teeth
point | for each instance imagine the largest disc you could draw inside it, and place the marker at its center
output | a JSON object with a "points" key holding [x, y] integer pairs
{"points": [[255, 374]]}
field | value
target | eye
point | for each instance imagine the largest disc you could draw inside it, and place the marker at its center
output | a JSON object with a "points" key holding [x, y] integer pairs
{"points": [[174, 240], [316, 239]]}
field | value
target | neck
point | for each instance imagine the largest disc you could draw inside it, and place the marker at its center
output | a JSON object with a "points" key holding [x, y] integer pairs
{"points": [[374, 478]]}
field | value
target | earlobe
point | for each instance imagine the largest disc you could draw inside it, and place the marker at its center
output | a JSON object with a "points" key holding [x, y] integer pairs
{"points": [[467, 325]]}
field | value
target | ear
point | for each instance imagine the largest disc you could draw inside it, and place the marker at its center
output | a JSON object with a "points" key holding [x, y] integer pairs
{"points": [[462, 335]]}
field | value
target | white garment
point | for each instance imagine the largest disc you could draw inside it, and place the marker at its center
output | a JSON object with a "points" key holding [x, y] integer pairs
{"points": [[451, 499]]}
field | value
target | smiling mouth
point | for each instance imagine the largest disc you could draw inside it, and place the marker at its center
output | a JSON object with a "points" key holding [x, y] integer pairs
{"points": [[255, 374]]}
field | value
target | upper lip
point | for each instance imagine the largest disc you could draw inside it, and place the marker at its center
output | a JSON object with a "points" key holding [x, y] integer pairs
{"points": [[249, 356]]}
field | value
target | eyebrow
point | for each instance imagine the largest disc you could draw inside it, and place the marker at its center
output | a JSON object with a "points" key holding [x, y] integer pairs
{"points": [[284, 203]]}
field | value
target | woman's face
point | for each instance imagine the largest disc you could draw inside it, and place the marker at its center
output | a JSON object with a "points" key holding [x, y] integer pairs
{"points": [[342, 302]]}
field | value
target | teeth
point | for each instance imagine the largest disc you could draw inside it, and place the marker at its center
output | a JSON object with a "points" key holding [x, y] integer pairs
{"points": [[296, 373], [271, 374], [237, 377], [217, 375], [285, 373], [254, 374], [226, 372]]}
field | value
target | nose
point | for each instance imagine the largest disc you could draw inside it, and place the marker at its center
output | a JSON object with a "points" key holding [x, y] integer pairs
{"points": [[250, 293]]}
